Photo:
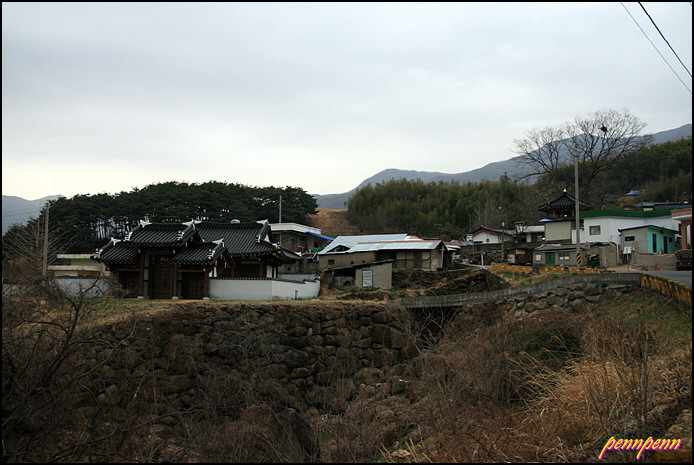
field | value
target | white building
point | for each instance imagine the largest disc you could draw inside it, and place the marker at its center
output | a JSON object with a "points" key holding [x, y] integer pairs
{"points": [[604, 225]]}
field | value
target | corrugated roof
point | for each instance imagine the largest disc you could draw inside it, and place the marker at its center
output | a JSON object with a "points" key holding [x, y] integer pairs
{"points": [[395, 245], [351, 241]]}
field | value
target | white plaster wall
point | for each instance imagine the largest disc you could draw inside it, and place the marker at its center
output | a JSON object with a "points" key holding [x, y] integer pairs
{"points": [[76, 286], [610, 226], [262, 289]]}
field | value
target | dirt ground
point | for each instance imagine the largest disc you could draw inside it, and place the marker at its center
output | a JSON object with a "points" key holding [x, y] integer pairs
{"points": [[332, 222]]}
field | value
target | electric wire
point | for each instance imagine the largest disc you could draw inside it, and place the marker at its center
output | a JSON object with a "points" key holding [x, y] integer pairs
{"points": [[656, 48], [666, 41]]}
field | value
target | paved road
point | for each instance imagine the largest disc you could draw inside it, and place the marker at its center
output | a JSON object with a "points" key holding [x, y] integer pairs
{"points": [[681, 276]]}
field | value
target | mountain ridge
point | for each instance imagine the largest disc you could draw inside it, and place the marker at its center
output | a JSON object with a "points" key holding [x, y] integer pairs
{"points": [[18, 210], [491, 171]]}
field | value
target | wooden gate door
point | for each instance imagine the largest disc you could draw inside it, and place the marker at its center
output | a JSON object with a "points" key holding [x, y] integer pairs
{"points": [[193, 285], [162, 280]]}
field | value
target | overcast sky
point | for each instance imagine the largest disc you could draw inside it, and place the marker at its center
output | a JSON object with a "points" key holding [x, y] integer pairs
{"points": [[108, 97]]}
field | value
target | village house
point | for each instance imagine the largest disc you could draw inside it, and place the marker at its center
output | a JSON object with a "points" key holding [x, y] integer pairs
{"points": [[305, 241], [483, 235], [608, 237], [74, 265], [202, 260], [645, 245], [682, 218], [299, 238], [368, 260], [560, 218]]}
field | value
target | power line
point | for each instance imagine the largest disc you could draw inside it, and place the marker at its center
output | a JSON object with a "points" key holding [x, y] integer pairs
{"points": [[668, 43], [656, 48]]}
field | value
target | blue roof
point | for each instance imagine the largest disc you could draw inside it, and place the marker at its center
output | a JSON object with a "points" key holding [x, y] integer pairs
{"points": [[327, 238]]}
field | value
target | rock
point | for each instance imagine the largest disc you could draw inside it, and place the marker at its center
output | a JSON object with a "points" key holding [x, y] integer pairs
{"points": [[177, 384]]}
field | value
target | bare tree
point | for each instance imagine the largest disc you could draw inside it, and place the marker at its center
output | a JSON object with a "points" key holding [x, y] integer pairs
{"points": [[541, 151], [598, 141]]}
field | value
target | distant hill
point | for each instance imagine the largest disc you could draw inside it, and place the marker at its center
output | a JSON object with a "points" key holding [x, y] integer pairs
{"points": [[19, 210], [491, 172]]}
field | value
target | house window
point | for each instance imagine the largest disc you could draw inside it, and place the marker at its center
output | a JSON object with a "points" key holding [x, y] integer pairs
{"points": [[564, 256], [595, 230], [331, 261], [629, 238], [538, 257]]}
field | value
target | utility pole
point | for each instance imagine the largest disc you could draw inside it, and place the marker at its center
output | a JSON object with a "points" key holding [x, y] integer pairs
{"points": [[45, 245], [578, 215]]}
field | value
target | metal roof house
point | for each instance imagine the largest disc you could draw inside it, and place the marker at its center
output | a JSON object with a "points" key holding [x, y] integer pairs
{"points": [[405, 251], [199, 260], [299, 238], [649, 238], [483, 235]]}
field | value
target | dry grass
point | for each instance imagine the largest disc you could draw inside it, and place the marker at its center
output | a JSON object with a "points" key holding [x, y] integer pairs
{"points": [[552, 387], [332, 222]]}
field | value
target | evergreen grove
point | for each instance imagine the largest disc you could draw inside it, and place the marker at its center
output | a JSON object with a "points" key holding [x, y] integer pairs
{"points": [[436, 209]]}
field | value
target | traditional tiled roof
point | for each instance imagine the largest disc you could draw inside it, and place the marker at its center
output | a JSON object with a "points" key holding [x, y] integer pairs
{"points": [[200, 253], [117, 252], [239, 238], [161, 234], [196, 242], [563, 202]]}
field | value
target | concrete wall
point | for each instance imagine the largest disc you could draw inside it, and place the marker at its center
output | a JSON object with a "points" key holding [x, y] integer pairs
{"points": [[263, 289], [95, 287], [382, 276], [558, 231], [341, 260]]}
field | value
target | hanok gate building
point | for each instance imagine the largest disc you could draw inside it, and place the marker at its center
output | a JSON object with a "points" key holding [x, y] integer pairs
{"points": [[178, 260]]}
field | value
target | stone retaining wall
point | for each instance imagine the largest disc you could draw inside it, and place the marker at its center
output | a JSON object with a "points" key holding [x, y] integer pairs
{"points": [[314, 356], [577, 281]]}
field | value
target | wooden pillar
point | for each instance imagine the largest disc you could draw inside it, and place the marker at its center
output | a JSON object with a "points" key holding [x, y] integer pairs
{"points": [[206, 291], [177, 290], [141, 284]]}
